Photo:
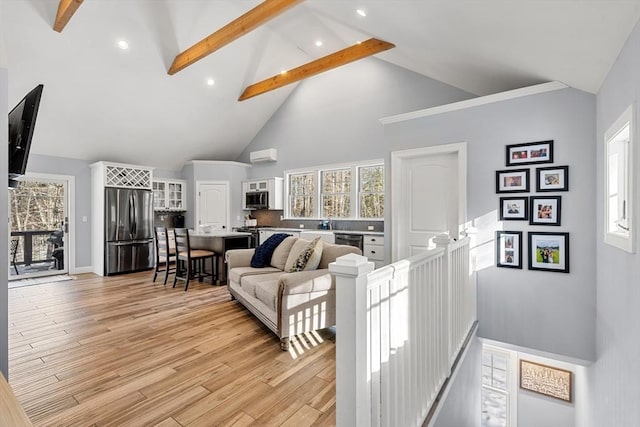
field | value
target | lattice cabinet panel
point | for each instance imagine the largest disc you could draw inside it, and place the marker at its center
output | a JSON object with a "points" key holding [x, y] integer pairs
{"points": [[127, 177]]}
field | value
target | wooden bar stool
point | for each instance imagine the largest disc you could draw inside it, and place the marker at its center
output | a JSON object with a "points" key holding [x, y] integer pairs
{"points": [[190, 262], [165, 254]]}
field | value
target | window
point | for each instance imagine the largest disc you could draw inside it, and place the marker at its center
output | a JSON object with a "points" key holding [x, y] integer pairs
{"points": [[371, 197], [497, 390], [336, 193], [618, 173], [348, 191], [302, 190]]}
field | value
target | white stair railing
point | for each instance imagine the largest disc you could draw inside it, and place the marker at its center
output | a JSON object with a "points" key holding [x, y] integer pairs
{"points": [[399, 330]]}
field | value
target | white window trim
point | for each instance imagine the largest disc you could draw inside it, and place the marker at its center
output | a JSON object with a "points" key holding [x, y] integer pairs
{"points": [[626, 243], [355, 209], [512, 381]]}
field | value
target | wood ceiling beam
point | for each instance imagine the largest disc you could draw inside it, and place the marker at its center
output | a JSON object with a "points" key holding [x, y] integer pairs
{"points": [[246, 23], [326, 63], [66, 9]]}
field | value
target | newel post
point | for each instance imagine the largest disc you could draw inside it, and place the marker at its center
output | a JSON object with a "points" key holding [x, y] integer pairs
{"points": [[353, 405]]}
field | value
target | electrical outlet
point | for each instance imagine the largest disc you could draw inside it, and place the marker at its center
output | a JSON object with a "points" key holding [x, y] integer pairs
{"points": [[281, 217], [370, 227], [301, 226]]}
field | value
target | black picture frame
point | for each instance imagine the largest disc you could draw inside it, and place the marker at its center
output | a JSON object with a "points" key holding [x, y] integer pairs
{"points": [[514, 208], [545, 210], [549, 251], [509, 249], [512, 181], [552, 178], [529, 153]]}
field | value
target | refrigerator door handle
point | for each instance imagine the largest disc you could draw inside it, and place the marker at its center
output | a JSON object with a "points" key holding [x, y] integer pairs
{"points": [[131, 217]]}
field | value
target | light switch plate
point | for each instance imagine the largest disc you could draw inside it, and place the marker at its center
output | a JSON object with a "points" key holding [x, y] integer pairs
{"points": [[370, 227]]}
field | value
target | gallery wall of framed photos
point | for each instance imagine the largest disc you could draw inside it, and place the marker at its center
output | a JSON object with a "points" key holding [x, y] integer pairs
{"points": [[547, 250]]}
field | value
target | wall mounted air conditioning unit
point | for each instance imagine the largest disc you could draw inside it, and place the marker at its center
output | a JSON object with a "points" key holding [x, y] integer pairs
{"points": [[268, 155]]}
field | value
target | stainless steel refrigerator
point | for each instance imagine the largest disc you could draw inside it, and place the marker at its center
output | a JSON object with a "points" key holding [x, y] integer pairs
{"points": [[128, 230]]}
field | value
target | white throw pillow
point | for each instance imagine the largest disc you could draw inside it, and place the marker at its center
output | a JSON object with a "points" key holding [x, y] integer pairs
{"points": [[304, 255]]}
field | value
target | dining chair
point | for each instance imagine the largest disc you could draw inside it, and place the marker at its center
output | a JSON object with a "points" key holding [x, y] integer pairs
{"points": [[165, 254], [14, 252], [190, 263]]}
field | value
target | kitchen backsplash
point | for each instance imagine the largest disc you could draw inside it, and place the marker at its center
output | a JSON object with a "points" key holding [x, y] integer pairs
{"points": [[271, 218]]}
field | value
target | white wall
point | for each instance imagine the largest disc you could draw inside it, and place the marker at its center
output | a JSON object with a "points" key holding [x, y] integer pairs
{"points": [[614, 377]]}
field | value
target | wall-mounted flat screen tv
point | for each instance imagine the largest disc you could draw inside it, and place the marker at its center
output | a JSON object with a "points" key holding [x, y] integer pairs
{"points": [[22, 121]]}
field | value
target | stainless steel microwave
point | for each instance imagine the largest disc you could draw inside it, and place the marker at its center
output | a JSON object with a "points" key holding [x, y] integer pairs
{"points": [[257, 200]]}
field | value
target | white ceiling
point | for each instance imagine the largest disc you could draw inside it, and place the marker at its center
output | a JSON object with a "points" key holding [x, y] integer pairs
{"points": [[103, 103]]}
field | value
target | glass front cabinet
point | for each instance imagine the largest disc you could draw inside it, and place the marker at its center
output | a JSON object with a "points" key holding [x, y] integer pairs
{"points": [[169, 195]]}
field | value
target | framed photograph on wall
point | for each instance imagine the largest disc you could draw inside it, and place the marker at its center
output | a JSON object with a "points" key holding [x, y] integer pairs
{"points": [[514, 208], [549, 251], [509, 249], [554, 178], [547, 380], [512, 181], [544, 210], [530, 153]]}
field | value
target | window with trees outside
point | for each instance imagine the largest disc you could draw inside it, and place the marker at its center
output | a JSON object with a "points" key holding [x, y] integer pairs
{"points": [[302, 190], [347, 191]]}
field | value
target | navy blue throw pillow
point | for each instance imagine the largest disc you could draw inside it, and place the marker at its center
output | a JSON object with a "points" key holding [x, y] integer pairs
{"points": [[263, 253]]}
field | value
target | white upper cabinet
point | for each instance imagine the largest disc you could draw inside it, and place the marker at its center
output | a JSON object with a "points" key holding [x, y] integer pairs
{"points": [[169, 194]]}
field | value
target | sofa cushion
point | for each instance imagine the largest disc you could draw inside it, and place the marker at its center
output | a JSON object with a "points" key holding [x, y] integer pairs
{"points": [[237, 273], [263, 253], [281, 253], [250, 284], [304, 255], [331, 251], [263, 287]]}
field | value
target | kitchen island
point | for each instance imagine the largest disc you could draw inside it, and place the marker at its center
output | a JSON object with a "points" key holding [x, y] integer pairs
{"points": [[220, 242]]}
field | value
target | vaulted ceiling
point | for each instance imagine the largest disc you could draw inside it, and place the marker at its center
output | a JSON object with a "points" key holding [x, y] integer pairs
{"points": [[105, 103]]}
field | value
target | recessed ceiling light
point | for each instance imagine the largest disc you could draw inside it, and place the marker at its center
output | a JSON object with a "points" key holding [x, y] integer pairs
{"points": [[122, 44], [211, 82], [361, 12], [318, 43]]}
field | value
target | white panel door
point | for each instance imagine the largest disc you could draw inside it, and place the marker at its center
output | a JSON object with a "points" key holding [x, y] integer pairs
{"points": [[212, 205], [428, 197]]}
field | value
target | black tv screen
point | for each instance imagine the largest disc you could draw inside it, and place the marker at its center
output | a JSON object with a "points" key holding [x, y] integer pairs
{"points": [[22, 120]]}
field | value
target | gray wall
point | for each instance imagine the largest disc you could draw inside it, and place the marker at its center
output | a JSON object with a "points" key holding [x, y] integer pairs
{"points": [[613, 378], [553, 312], [4, 238], [82, 173], [462, 405], [333, 117], [232, 172]]}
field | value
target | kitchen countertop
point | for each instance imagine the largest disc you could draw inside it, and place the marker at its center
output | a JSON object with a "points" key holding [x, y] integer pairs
{"points": [[315, 230], [218, 233]]}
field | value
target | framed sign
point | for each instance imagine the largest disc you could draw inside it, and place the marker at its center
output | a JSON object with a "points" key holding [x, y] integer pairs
{"points": [[509, 249], [544, 210], [514, 208], [530, 153], [549, 251], [512, 181], [555, 178], [547, 380]]}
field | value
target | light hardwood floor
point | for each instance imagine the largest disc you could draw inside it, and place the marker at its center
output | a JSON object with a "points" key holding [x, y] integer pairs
{"points": [[125, 351]]}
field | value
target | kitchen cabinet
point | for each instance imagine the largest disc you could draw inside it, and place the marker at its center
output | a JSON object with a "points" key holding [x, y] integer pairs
{"points": [[273, 188], [169, 195], [373, 248]]}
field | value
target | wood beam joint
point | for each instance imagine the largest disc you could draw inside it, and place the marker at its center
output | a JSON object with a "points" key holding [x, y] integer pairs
{"points": [[66, 9]]}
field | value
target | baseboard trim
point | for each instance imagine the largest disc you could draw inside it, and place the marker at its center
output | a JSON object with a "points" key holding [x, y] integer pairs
{"points": [[82, 270]]}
